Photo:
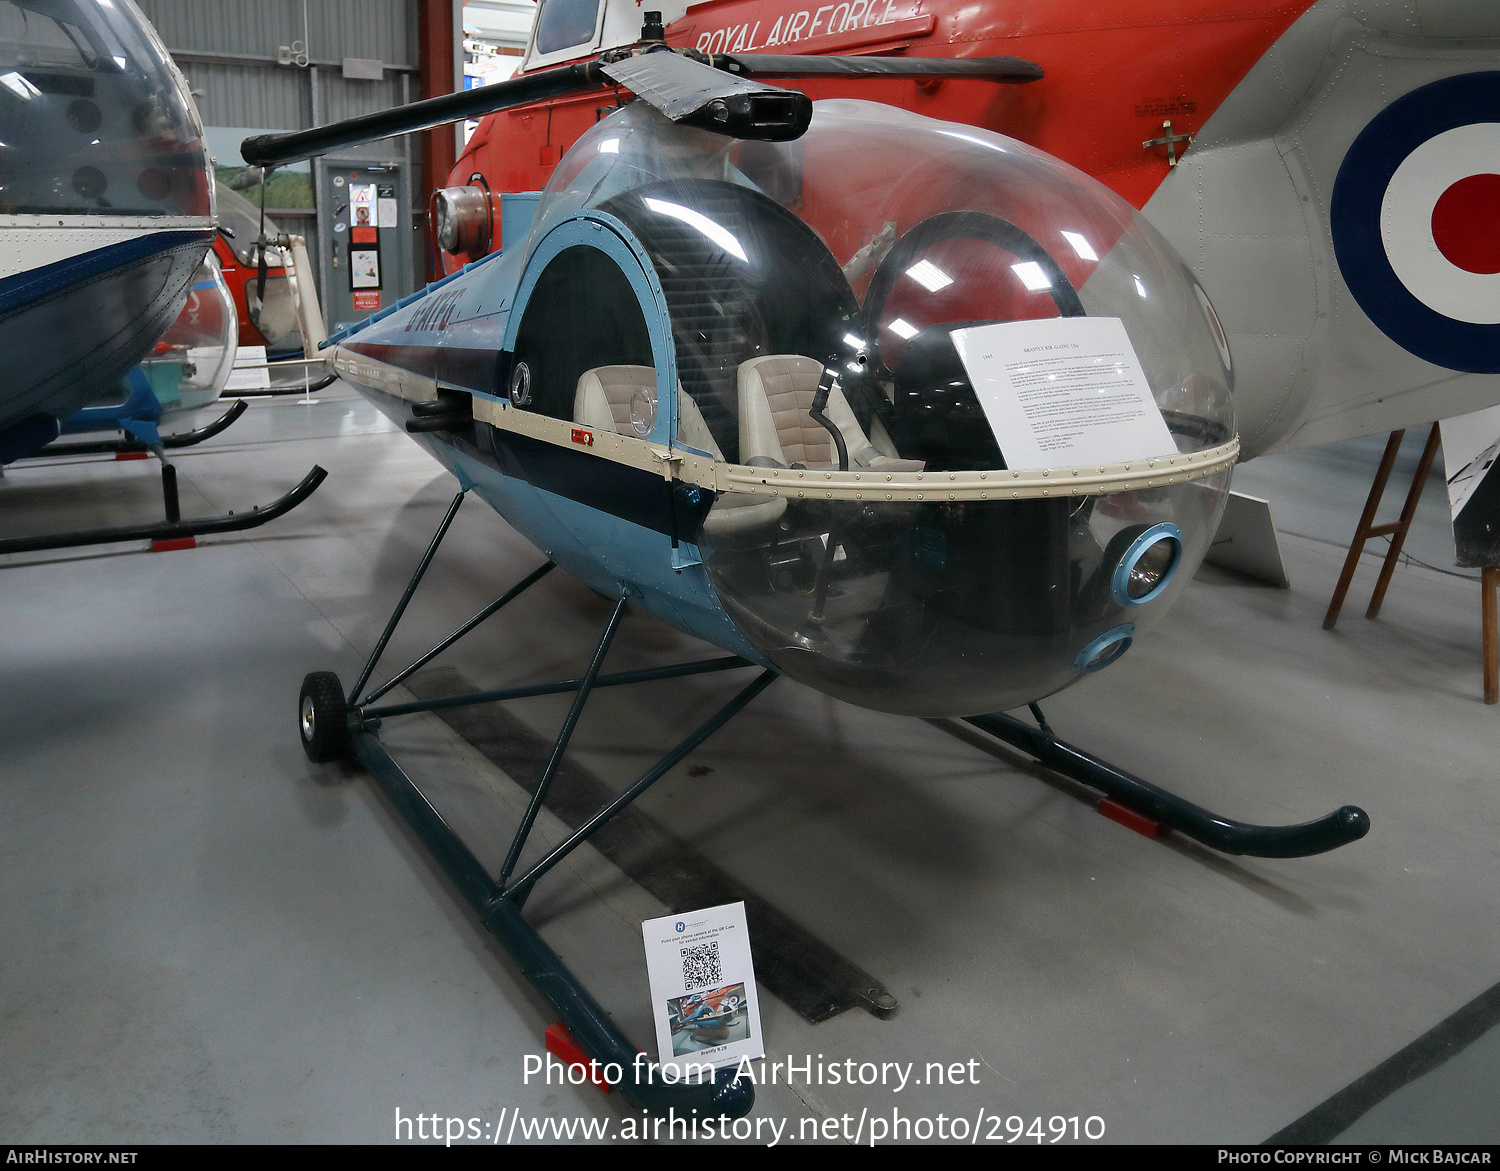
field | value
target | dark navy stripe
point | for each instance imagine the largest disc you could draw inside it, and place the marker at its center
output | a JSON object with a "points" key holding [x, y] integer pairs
{"points": [[632, 494], [472, 369], [37, 284], [1446, 1040]]}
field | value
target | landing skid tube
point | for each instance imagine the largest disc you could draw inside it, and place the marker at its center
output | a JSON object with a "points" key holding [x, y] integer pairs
{"points": [[132, 446], [1336, 829], [174, 532], [334, 723]]}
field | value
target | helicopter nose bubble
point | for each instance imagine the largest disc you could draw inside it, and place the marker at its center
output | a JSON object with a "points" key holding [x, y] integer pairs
{"points": [[933, 494]]}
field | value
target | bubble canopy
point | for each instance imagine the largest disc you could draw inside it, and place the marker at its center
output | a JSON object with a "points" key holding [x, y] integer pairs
{"points": [[890, 301], [94, 117]]}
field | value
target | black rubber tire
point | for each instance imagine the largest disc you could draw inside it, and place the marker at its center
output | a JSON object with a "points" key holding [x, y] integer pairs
{"points": [[322, 717]]}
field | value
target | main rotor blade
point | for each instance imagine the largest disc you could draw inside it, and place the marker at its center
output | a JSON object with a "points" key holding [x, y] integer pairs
{"points": [[714, 97], [273, 150], [695, 94], [1013, 69]]}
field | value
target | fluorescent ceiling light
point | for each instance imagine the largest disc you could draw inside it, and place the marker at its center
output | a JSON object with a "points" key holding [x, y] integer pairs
{"points": [[1081, 246], [19, 86], [902, 329], [929, 276], [1032, 275], [696, 219]]}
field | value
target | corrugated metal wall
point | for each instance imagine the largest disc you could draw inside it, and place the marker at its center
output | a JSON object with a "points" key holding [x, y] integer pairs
{"points": [[383, 30], [231, 52]]}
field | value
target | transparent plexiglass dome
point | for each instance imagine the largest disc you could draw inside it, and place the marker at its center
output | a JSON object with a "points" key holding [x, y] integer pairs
{"points": [[191, 364], [94, 117], [935, 288]]}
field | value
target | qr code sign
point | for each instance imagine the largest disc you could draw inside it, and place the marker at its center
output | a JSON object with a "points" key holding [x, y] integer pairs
{"points": [[701, 967]]}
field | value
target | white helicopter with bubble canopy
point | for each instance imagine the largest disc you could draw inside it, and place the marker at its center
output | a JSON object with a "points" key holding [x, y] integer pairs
{"points": [[105, 198], [106, 215]]}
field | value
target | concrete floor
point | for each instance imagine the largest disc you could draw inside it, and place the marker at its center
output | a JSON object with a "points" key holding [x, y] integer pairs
{"points": [[209, 939]]}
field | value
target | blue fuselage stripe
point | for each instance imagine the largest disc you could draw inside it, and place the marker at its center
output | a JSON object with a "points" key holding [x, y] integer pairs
{"points": [[38, 284]]}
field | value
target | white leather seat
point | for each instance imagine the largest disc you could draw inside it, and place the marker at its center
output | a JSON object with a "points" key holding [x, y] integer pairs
{"points": [[691, 428], [602, 403], [602, 400], [733, 512], [777, 428]]}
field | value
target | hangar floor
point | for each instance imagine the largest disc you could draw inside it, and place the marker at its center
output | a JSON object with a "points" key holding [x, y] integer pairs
{"points": [[209, 939]]}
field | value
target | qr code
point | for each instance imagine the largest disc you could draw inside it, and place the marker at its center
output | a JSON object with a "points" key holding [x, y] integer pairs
{"points": [[701, 967]]}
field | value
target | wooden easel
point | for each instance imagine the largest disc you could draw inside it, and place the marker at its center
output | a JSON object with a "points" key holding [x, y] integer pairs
{"points": [[1397, 531]]}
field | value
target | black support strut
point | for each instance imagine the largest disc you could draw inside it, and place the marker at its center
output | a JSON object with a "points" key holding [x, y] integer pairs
{"points": [[1336, 829], [498, 901], [411, 588], [570, 721]]}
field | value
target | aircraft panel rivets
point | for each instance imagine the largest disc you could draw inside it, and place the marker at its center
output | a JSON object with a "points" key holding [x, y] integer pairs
{"points": [[887, 495]]}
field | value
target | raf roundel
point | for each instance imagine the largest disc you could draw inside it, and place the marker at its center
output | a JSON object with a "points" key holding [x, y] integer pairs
{"points": [[1416, 222]]}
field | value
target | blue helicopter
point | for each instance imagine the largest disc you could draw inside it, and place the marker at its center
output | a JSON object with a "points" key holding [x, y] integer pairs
{"points": [[908, 411]]}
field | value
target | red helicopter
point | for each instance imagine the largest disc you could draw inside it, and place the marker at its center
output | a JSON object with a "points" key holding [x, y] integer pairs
{"points": [[1324, 167]]}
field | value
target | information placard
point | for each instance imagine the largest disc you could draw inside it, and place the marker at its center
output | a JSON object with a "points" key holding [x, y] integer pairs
{"points": [[257, 377], [1063, 391], [703, 996]]}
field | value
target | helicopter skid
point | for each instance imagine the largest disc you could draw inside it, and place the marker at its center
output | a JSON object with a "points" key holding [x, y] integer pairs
{"points": [[1146, 808], [131, 447], [174, 532], [333, 725], [592, 1029]]}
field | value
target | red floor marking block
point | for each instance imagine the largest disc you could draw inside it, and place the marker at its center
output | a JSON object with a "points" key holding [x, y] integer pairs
{"points": [[561, 1045], [1130, 819], [132, 455], [173, 543]]}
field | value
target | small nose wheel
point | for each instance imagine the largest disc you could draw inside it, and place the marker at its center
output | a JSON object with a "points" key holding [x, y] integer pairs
{"points": [[322, 717]]}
